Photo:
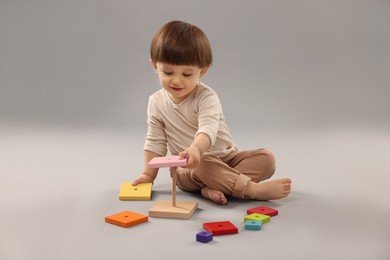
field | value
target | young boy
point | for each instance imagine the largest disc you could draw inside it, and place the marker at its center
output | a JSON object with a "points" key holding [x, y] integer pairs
{"points": [[186, 116]]}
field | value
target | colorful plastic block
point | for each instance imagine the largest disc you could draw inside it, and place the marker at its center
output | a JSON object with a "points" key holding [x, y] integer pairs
{"points": [[220, 228], [253, 225], [126, 219], [260, 217], [263, 210], [142, 191], [204, 237], [168, 161]]}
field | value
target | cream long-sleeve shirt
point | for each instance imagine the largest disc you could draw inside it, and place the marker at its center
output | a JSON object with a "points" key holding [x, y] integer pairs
{"points": [[176, 125]]}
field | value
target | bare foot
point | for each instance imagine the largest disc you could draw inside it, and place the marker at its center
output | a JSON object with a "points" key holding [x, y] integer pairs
{"points": [[269, 190], [215, 195]]}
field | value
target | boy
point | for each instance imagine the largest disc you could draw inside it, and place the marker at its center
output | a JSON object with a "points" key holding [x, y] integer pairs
{"points": [[186, 116]]}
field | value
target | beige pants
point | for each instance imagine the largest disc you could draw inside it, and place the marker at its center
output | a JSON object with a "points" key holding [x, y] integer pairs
{"points": [[229, 174]]}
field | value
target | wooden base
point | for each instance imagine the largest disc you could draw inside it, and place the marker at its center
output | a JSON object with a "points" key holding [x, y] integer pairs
{"points": [[165, 209]]}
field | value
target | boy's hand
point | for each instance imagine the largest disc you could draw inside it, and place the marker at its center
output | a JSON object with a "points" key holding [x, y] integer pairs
{"points": [[192, 154], [143, 179]]}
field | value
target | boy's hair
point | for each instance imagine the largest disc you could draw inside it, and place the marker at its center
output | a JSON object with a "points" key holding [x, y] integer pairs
{"points": [[181, 43]]}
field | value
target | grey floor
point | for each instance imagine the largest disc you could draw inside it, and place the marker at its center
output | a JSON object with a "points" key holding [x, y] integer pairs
{"points": [[57, 185]]}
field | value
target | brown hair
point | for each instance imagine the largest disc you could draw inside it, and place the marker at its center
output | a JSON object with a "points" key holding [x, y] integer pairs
{"points": [[181, 43]]}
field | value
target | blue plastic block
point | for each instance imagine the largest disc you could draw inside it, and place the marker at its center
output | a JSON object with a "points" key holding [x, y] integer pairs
{"points": [[204, 237], [253, 225]]}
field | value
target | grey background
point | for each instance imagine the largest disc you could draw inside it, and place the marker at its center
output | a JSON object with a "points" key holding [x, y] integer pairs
{"points": [[308, 79], [282, 63]]}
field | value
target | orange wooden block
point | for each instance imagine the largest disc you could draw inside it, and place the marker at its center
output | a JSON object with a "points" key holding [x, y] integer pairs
{"points": [[126, 219]]}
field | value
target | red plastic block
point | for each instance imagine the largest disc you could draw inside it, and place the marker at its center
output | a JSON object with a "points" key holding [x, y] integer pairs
{"points": [[126, 219], [263, 210], [220, 227], [169, 161]]}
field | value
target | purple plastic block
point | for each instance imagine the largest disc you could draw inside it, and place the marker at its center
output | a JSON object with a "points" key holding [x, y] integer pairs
{"points": [[204, 237]]}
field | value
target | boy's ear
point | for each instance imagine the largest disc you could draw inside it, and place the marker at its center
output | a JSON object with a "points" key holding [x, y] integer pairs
{"points": [[154, 65], [203, 71]]}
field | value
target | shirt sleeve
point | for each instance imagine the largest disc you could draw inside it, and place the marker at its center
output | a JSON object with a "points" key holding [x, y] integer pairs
{"points": [[156, 139], [210, 111]]}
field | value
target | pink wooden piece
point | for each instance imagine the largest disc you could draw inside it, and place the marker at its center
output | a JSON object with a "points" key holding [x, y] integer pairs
{"points": [[168, 161]]}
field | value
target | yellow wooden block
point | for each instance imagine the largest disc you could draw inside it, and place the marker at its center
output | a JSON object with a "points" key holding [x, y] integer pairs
{"points": [[142, 191]]}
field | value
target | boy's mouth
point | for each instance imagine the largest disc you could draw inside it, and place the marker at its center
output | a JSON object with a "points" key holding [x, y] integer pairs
{"points": [[176, 89]]}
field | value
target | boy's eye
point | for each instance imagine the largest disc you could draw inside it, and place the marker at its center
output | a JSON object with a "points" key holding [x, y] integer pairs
{"points": [[187, 75], [168, 73]]}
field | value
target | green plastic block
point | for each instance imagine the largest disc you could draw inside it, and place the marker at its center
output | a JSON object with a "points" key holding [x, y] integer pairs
{"points": [[258, 217]]}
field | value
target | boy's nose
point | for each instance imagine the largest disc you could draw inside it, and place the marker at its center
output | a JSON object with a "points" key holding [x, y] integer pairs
{"points": [[175, 81]]}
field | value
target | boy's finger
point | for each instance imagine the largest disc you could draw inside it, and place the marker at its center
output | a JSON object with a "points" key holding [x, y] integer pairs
{"points": [[183, 155]]}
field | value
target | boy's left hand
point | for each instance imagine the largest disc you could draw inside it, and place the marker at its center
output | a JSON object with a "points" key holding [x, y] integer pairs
{"points": [[192, 154]]}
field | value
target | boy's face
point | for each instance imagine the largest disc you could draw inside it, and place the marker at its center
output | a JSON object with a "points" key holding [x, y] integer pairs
{"points": [[178, 80]]}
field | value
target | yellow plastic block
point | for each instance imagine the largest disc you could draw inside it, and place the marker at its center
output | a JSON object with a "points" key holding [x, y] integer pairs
{"points": [[142, 191]]}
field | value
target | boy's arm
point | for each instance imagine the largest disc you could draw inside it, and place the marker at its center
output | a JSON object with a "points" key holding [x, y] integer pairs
{"points": [[200, 145], [148, 174]]}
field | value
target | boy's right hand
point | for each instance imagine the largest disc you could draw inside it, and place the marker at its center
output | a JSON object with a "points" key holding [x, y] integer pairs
{"points": [[143, 179]]}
